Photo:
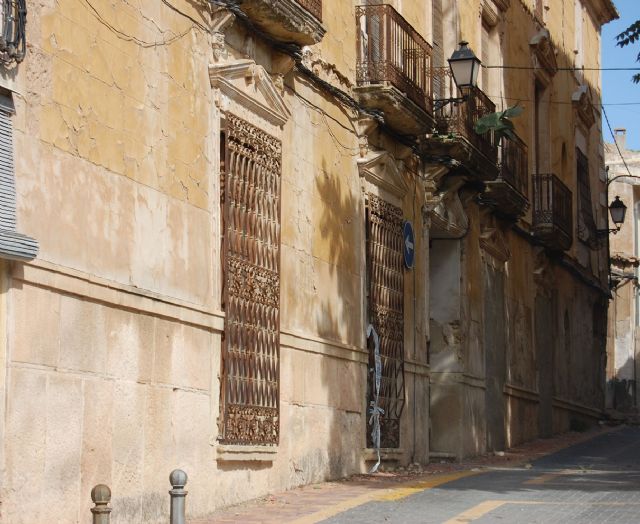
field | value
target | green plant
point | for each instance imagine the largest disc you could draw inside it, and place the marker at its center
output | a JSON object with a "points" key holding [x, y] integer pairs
{"points": [[629, 36], [500, 123]]}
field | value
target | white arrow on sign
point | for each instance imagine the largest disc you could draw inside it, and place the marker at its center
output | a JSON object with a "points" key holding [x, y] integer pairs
{"points": [[408, 244]]}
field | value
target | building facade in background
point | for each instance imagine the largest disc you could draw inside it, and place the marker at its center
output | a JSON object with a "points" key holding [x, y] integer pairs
{"points": [[623, 333], [518, 295], [262, 229]]}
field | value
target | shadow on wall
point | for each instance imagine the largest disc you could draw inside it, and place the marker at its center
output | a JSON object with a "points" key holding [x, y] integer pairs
{"points": [[339, 249], [332, 388], [621, 392]]}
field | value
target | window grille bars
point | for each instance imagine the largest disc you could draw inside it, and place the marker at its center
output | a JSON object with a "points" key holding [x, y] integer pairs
{"points": [[385, 273], [251, 353]]}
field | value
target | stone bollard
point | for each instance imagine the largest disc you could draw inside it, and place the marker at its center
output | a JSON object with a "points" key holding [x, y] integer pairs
{"points": [[178, 479], [101, 496]]}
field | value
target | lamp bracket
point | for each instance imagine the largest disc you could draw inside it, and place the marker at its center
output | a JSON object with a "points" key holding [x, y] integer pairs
{"points": [[439, 103], [606, 232]]}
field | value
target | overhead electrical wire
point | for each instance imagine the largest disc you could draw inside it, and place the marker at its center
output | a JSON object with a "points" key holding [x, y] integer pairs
{"points": [[562, 102], [129, 38], [624, 161], [572, 69]]}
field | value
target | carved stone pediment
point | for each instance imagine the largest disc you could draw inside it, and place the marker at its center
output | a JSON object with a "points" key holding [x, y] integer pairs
{"points": [[446, 213], [543, 56], [249, 85], [543, 274], [583, 106], [493, 242], [382, 170]]}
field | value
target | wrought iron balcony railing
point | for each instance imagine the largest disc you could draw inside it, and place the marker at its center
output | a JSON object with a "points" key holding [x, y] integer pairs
{"points": [[552, 211], [461, 118], [391, 51], [514, 164], [313, 6], [508, 194]]}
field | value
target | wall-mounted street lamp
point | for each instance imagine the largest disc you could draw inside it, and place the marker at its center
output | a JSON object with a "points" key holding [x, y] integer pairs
{"points": [[465, 66], [618, 211]]}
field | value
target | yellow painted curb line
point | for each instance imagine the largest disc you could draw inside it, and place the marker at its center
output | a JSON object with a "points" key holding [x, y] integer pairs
{"points": [[477, 511], [383, 495]]}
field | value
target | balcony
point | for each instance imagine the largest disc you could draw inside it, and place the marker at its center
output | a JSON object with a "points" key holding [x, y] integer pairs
{"points": [[552, 212], [296, 21], [508, 194], [454, 129], [393, 70]]}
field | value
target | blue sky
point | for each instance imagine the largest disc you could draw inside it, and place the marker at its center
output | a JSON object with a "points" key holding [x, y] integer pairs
{"points": [[617, 86]]}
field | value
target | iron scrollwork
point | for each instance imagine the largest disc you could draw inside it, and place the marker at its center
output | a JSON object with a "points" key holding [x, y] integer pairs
{"points": [[386, 313], [251, 353]]}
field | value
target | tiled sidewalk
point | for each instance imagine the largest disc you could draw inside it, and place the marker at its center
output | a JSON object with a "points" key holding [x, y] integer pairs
{"points": [[317, 502]]}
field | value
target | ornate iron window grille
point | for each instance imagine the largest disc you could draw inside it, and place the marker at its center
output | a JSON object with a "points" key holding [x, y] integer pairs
{"points": [[250, 378], [385, 272]]}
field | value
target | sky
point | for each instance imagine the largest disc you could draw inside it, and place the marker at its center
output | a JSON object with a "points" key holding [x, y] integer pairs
{"points": [[617, 86]]}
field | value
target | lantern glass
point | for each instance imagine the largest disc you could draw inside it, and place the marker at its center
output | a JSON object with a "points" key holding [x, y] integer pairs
{"points": [[618, 210], [465, 66]]}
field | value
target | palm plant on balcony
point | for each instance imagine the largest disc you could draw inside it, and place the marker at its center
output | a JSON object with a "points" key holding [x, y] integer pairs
{"points": [[500, 123]]}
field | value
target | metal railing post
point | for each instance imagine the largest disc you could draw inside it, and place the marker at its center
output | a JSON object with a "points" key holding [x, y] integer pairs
{"points": [[178, 479], [101, 496]]}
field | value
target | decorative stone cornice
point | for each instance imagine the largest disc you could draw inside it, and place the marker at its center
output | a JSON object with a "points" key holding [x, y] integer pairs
{"points": [[381, 169], [445, 213], [330, 73], [623, 260], [583, 106], [543, 55], [503, 5], [285, 20], [543, 274], [493, 242], [221, 20], [490, 14], [603, 10]]}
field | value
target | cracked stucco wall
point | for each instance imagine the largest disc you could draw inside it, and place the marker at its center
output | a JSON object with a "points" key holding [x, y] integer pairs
{"points": [[111, 332]]}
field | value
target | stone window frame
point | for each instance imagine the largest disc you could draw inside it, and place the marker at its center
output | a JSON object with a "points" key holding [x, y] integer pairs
{"points": [[244, 89], [382, 176]]}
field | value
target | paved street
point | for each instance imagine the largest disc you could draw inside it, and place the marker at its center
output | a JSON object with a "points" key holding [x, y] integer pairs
{"points": [[594, 481]]}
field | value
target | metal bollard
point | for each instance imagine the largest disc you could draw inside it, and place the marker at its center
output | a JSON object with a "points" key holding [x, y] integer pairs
{"points": [[178, 479], [101, 496]]}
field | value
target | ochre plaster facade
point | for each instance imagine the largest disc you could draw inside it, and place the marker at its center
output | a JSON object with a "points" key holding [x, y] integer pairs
{"points": [[112, 355]]}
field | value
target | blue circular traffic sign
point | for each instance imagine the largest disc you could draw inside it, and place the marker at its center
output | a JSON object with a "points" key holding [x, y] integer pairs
{"points": [[409, 244]]}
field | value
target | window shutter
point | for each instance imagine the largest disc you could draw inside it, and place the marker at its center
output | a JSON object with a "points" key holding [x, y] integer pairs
{"points": [[587, 231], [438, 48], [7, 183], [13, 245], [485, 53]]}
